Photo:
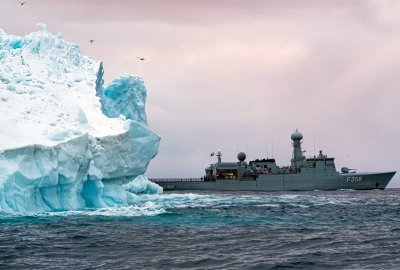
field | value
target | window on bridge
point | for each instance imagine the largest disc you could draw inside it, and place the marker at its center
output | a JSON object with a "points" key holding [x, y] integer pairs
{"points": [[228, 174]]}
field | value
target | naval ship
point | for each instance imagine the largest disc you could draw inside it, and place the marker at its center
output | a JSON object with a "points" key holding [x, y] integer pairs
{"points": [[316, 173]]}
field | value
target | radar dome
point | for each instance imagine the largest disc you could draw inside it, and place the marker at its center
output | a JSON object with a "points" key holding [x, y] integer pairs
{"points": [[296, 135], [241, 156]]}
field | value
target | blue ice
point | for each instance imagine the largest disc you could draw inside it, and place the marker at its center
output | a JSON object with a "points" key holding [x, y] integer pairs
{"points": [[84, 172]]}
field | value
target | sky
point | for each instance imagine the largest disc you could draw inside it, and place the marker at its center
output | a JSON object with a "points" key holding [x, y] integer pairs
{"points": [[243, 75]]}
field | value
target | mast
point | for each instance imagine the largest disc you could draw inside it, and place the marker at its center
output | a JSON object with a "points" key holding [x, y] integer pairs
{"points": [[219, 155], [297, 160]]}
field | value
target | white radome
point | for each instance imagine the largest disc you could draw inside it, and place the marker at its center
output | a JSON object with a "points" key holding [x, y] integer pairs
{"points": [[296, 136]]}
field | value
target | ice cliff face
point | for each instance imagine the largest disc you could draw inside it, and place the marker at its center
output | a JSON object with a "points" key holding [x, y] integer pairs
{"points": [[66, 141]]}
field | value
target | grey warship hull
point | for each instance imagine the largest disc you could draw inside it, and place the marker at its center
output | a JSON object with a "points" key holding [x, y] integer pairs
{"points": [[314, 173], [285, 182]]}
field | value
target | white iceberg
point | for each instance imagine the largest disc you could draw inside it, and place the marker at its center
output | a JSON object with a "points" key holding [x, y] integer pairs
{"points": [[66, 141]]}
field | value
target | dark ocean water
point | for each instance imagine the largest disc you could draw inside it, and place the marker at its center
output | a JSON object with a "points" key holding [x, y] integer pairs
{"points": [[299, 230]]}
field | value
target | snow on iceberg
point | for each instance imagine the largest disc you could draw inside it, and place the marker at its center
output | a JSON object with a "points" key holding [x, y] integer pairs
{"points": [[66, 141]]}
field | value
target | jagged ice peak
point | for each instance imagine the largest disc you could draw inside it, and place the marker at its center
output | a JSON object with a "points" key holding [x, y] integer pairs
{"points": [[66, 141]]}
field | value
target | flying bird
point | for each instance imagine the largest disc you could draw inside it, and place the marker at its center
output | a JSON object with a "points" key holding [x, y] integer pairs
{"points": [[140, 58], [91, 41], [22, 3]]}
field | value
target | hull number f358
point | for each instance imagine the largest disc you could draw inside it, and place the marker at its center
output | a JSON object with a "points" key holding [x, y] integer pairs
{"points": [[353, 179]]}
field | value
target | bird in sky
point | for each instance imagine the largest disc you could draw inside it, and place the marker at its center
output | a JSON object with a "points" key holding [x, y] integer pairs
{"points": [[91, 41], [22, 3], [140, 58]]}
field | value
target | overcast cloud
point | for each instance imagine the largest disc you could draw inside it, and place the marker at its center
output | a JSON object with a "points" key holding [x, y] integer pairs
{"points": [[243, 75]]}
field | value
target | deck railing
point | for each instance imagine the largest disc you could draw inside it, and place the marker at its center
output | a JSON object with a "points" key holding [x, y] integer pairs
{"points": [[157, 180]]}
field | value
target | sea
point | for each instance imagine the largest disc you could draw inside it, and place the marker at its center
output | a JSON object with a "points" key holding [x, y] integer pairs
{"points": [[213, 230]]}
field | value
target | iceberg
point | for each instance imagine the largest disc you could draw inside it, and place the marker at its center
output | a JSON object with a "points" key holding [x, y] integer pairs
{"points": [[67, 142]]}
